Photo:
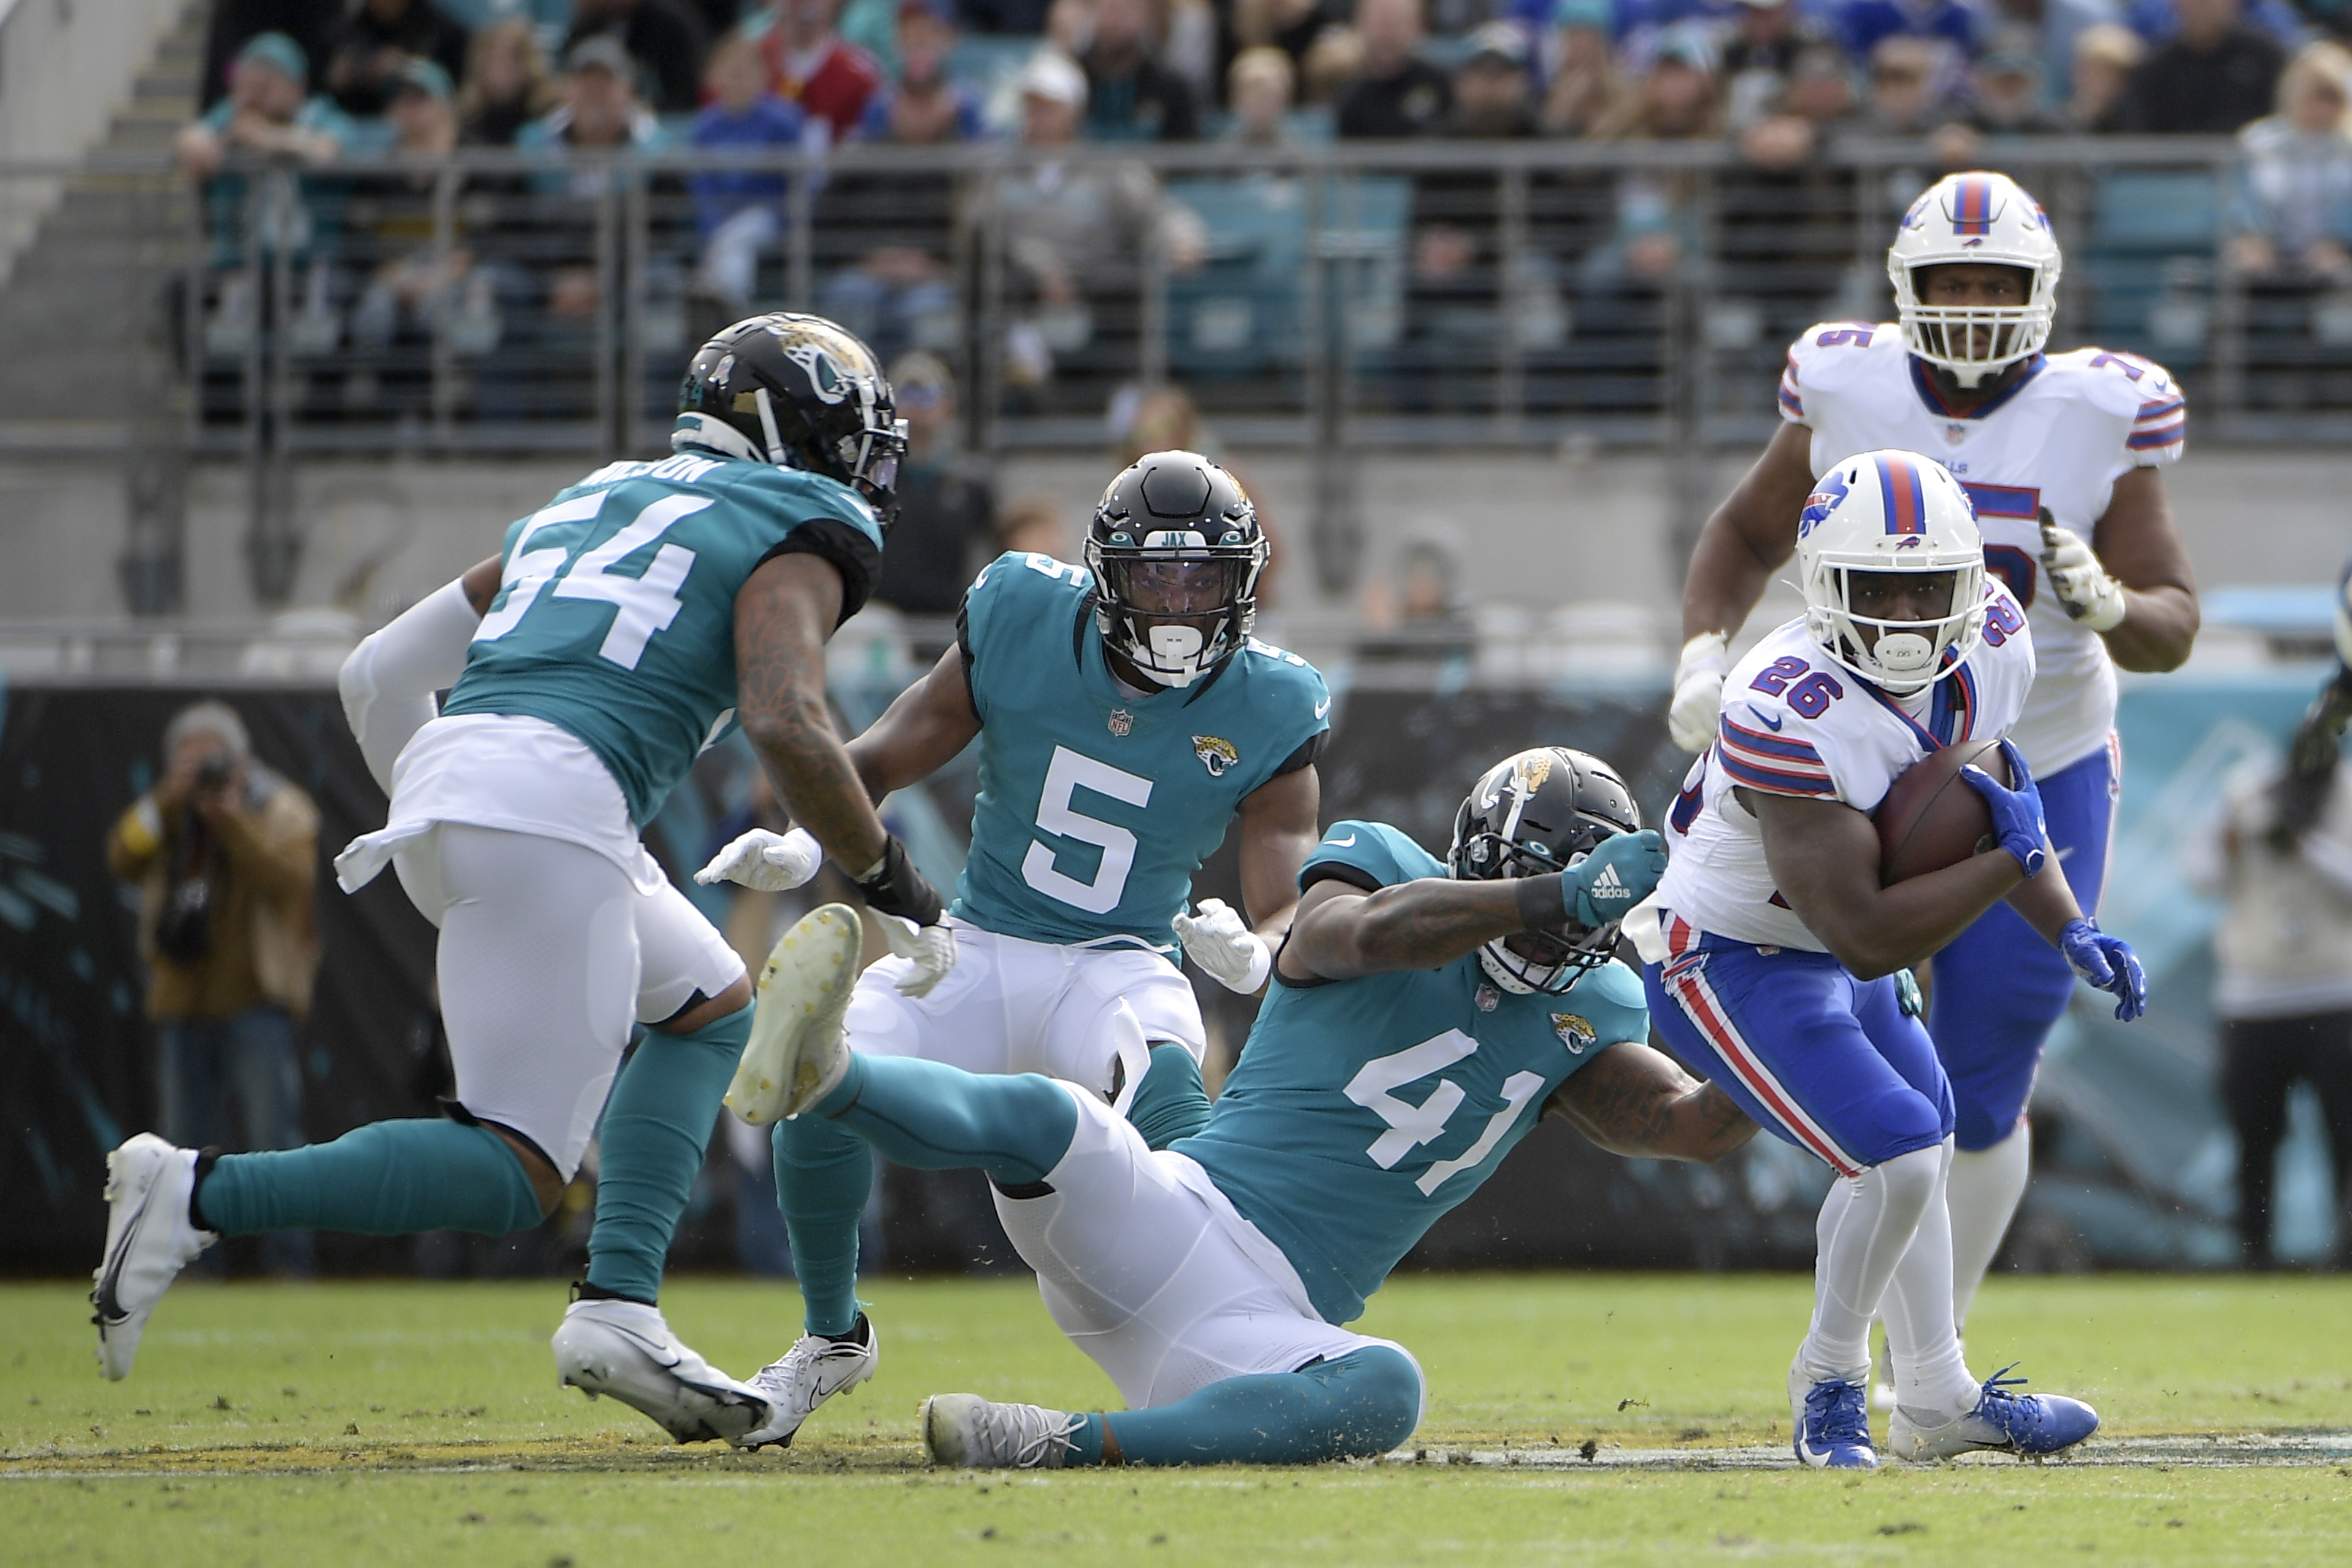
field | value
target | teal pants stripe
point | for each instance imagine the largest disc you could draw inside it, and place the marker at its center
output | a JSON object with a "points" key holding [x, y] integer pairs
{"points": [[650, 1147], [1353, 1406], [388, 1178]]}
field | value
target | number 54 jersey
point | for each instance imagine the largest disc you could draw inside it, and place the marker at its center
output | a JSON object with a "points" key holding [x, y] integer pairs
{"points": [[1097, 802], [1795, 723], [2058, 437]]}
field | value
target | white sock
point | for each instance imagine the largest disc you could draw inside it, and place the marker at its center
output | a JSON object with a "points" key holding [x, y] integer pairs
{"points": [[1983, 1194], [1867, 1225], [1931, 1380]]}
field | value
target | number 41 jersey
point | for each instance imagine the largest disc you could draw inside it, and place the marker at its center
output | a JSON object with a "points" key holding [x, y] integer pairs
{"points": [[1096, 805], [2058, 437], [1795, 723]]}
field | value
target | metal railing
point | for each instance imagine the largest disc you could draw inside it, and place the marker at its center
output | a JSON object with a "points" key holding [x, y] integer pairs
{"points": [[1335, 298]]}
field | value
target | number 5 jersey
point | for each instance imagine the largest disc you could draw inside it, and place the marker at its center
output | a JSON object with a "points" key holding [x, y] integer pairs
{"points": [[1796, 723]]}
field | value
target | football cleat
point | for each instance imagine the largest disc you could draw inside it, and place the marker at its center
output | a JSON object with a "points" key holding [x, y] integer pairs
{"points": [[975, 1434], [1831, 1421], [2030, 1425], [625, 1349], [149, 1239], [815, 1369], [796, 1054]]}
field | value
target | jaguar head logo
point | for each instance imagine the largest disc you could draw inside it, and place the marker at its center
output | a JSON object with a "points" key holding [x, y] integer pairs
{"points": [[1216, 754], [1575, 1031]]}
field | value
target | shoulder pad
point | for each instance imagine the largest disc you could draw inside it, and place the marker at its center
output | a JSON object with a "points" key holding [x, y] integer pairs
{"points": [[1614, 983], [1369, 849]]}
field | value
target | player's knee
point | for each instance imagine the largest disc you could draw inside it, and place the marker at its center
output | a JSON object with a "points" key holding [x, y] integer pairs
{"points": [[1909, 1179], [1384, 1403], [813, 1142]]}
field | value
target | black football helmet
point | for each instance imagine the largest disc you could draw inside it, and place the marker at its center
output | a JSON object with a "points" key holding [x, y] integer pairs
{"points": [[799, 391], [1542, 811], [1176, 553]]}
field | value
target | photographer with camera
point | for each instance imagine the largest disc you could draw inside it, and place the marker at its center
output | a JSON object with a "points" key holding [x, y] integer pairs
{"points": [[225, 854]]}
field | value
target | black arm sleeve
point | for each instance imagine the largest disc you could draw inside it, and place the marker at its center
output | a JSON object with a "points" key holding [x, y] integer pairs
{"points": [[851, 552], [1309, 751], [963, 647]]}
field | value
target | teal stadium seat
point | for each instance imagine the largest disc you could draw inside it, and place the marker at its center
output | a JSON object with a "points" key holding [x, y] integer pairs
{"points": [[1243, 311], [2147, 268]]}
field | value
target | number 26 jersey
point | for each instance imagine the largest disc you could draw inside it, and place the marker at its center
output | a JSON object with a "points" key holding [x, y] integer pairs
{"points": [[1797, 723]]}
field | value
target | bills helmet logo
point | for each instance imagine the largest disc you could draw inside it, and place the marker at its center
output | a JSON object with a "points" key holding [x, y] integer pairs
{"points": [[1821, 502]]}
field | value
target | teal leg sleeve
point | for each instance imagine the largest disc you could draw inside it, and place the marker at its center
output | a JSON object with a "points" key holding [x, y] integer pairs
{"points": [[657, 1127], [1170, 1103], [1358, 1405], [825, 1174], [935, 1117], [388, 1178]]}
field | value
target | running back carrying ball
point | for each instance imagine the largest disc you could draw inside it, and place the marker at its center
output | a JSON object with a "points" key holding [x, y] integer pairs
{"points": [[1929, 820]]}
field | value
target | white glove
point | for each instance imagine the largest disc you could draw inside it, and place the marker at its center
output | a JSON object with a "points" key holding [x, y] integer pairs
{"points": [[1228, 951], [930, 948], [765, 862], [1698, 692], [2088, 591]]}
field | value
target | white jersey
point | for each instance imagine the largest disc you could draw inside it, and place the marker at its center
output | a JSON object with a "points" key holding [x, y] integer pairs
{"points": [[2059, 438], [1796, 723]]}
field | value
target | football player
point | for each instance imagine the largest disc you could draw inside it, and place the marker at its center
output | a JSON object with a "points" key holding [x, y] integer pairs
{"points": [[1423, 1016], [625, 626], [1770, 951], [2060, 456], [1126, 720]]}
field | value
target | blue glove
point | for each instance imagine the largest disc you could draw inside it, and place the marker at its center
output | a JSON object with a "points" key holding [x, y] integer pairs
{"points": [[2016, 810], [2108, 963], [1619, 873], [1907, 994]]}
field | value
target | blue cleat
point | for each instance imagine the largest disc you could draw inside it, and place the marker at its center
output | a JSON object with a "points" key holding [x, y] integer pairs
{"points": [[1833, 1424], [2029, 1425]]}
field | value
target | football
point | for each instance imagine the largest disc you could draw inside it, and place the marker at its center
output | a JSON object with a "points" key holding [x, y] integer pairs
{"points": [[1929, 818]]}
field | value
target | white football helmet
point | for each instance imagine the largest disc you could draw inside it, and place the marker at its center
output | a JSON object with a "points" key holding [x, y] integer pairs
{"points": [[1891, 512], [1975, 218]]}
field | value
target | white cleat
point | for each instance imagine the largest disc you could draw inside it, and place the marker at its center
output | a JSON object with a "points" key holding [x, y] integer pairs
{"points": [[814, 1370], [2032, 1426], [970, 1433], [797, 1053], [149, 1239], [625, 1349]]}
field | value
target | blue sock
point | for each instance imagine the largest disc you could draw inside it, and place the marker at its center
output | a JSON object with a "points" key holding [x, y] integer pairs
{"points": [[388, 1178], [650, 1146], [825, 1173], [1357, 1406], [935, 1117]]}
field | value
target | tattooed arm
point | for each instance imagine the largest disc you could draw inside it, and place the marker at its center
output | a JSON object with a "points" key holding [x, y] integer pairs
{"points": [[783, 617], [1341, 932], [1636, 1102]]}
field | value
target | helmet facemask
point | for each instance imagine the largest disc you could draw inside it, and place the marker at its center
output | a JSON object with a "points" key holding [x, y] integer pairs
{"points": [[1973, 341], [1492, 840], [1175, 611], [1532, 962], [1900, 656]]}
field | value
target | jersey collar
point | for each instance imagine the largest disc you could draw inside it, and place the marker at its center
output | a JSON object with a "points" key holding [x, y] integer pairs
{"points": [[1925, 385], [1951, 710]]}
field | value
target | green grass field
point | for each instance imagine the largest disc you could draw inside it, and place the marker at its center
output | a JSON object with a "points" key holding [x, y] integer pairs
{"points": [[363, 1423]]}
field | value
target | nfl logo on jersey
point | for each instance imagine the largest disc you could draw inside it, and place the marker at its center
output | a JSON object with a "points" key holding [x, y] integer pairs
{"points": [[1121, 722]]}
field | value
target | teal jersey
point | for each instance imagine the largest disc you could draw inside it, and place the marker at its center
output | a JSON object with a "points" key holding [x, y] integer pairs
{"points": [[614, 618], [1094, 807], [1362, 1110]]}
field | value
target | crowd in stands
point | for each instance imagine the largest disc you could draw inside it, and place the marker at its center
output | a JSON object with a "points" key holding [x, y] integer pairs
{"points": [[1782, 81]]}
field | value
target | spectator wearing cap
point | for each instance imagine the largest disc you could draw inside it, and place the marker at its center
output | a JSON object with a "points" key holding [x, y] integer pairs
{"points": [[740, 213], [1131, 95], [600, 111], [1913, 79], [926, 107], [947, 500], [812, 65], [1075, 234], [371, 50], [1681, 99], [1494, 86], [1399, 94], [507, 84], [1259, 87], [1585, 85], [2214, 76], [233, 23], [1862, 25], [2291, 218], [266, 112], [1759, 53], [2105, 57], [2007, 95], [664, 38], [416, 285]]}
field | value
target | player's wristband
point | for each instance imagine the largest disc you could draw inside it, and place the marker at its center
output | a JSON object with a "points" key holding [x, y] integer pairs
{"points": [[895, 887], [1540, 909]]}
